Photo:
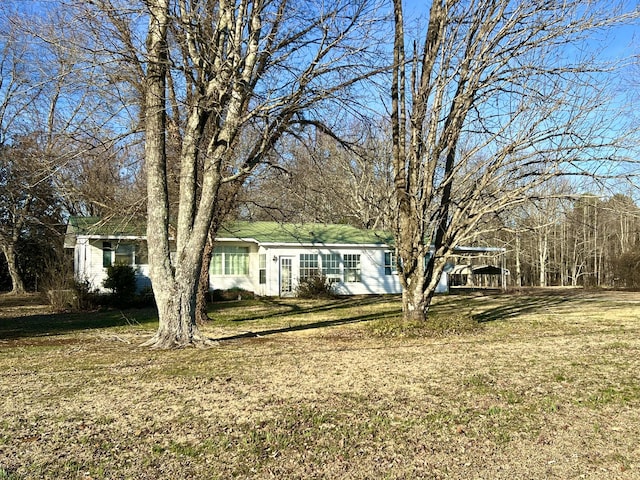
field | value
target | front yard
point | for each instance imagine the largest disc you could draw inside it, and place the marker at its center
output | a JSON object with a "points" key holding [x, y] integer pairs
{"points": [[547, 386]]}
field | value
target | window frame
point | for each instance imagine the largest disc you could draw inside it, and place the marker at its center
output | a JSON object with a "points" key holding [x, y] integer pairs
{"points": [[309, 265], [352, 267], [230, 261], [114, 251], [331, 266], [262, 269], [390, 263]]}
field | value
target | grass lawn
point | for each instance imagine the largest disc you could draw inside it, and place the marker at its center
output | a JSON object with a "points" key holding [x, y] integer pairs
{"points": [[546, 386]]}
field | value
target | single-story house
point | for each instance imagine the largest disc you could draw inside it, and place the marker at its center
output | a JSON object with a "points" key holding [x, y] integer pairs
{"points": [[98, 243], [267, 258]]}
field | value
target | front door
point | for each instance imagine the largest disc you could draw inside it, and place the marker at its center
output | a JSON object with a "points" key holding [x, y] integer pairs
{"points": [[286, 270]]}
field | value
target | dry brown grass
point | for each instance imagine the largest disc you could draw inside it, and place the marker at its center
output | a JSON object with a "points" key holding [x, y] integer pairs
{"points": [[548, 387]]}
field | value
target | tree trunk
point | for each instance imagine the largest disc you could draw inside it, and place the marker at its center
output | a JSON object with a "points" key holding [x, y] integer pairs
{"points": [[177, 315], [203, 283], [174, 286], [518, 266], [415, 305], [543, 254], [16, 279]]}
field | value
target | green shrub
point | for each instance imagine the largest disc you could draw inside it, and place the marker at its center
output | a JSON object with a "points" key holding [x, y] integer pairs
{"points": [[316, 286], [121, 279], [235, 293]]}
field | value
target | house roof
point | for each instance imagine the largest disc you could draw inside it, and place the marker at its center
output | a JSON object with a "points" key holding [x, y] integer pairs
{"points": [[260, 232], [112, 226], [303, 234]]}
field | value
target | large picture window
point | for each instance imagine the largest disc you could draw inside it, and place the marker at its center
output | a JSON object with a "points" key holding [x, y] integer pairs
{"points": [[228, 260], [351, 267]]}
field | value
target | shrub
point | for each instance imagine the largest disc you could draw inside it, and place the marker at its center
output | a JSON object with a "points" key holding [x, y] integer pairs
{"points": [[316, 286], [121, 279], [235, 293], [65, 293]]}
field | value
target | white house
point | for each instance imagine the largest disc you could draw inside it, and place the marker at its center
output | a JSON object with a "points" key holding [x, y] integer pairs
{"points": [[270, 258], [266, 258], [99, 243]]}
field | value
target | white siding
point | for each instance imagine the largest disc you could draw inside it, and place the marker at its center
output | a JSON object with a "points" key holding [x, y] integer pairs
{"points": [[244, 282], [373, 280], [88, 255], [372, 273]]}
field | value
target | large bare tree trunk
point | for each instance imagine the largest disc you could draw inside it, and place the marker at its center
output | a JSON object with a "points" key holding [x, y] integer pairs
{"points": [[228, 129], [174, 290], [490, 117]]}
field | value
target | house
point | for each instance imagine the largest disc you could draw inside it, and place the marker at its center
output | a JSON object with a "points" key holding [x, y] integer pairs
{"points": [[267, 258], [98, 243], [270, 258]]}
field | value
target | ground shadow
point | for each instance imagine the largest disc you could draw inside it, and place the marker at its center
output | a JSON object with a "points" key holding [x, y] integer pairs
{"points": [[311, 326], [16, 327], [520, 305], [289, 307]]}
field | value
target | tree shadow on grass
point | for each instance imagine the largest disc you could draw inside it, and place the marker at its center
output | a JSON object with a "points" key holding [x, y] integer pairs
{"points": [[521, 305], [278, 307], [16, 327], [312, 325]]}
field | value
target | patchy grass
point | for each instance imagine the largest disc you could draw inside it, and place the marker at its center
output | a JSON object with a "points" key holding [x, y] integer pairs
{"points": [[545, 385], [439, 324]]}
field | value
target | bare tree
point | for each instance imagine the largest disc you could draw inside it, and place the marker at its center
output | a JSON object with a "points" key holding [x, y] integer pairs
{"points": [[328, 180], [27, 197], [500, 97], [245, 65], [29, 206]]}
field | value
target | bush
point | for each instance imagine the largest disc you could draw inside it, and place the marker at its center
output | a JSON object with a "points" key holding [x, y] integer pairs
{"points": [[64, 292], [230, 294], [121, 279], [316, 286]]}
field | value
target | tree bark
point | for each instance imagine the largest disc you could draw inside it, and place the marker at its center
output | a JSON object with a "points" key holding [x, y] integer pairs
{"points": [[203, 283], [17, 285], [174, 288]]}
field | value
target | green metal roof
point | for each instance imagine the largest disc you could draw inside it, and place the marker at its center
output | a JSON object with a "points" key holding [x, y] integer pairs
{"points": [[305, 233], [114, 226], [261, 232]]}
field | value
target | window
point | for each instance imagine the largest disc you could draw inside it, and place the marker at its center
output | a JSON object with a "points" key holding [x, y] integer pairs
{"points": [[107, 248], [351, 267], [124, 254], [262, 267], [230, 261], [331, 267], [390, 267], [142, 254], [308, 265]]}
